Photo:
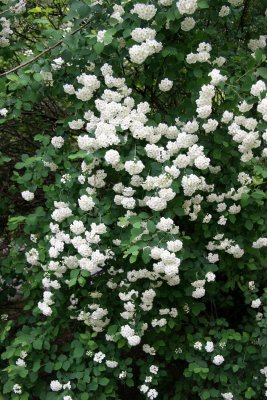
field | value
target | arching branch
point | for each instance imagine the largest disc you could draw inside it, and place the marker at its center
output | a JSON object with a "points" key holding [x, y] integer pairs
{"points": [[42, 53]]}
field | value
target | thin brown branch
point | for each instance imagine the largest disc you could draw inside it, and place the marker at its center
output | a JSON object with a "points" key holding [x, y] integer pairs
{"points": [[3, 12], [42, 53]]}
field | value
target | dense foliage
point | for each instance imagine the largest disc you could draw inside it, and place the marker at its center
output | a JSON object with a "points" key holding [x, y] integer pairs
{"points": [[133, 199]]}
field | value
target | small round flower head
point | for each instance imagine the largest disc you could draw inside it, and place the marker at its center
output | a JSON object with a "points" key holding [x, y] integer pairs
{"points": [[55, 386], [57, 142], [218, 360], [188, 24], [3, 112], [112, 157], [227, 396], [187, 6], [152, 394], [86, 203], [224, 11], [20, 362], [27, 195], [165, 85], [111, 364], [17, 389], [144, 388], [99, 357], [134, 340], [145, 12], [256, 303], [209, 347], [165, 2], [153, 369], [210, 276], [198, 345]]}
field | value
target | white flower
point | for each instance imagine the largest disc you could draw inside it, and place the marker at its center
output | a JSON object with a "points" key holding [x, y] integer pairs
{"points": [[57, 142], [111, 364], [57, 63], [198, 345], [165, 224], [144, 388], [165, 85], [256, 303], [112, 157], [20, 362], [224, 11], [210, 276], [187, 24], [86, 203], [142, 34], [152, 394], [76, 124], [55, 386], [187, 6], [145, 12], [236, 3], [123, 375], [100, 36], [3, 112], [134, 340], [27, 195], [134, 167], [198, 293], [165, 2], [69, 89], [218, 360], [209, 347], [77, 227], [261, 242], [99, 357], [258, 88], [213, 258], [153, 369], [17, 389], [227, 396], [175, 245]]}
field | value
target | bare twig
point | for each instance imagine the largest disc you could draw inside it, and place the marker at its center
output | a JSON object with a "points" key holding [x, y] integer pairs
{"points": [[42, 53], [3, 12]]}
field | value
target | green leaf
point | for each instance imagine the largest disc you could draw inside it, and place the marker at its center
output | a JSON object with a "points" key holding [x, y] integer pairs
{"points": [[249, 225], [203, 4], [14, 222], [81, 281], [72, 282], [108, 37], [85, 396], [78, 351], [37, 344], [250, 393], [12, 77], [197, 308], [151, 226], [36, 365], [205, 395], [169, 51], [103, 381], [146, 255], [262, 72], [99, 47], [81, 154], [4, 159]]}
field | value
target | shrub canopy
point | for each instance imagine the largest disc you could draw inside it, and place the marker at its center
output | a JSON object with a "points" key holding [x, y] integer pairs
{"points": [[133, 199]]}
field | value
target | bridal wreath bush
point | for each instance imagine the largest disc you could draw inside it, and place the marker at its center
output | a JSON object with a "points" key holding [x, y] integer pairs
{"points": [[135, 238]]}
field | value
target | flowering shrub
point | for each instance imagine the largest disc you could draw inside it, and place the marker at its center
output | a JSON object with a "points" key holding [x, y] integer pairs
{"points": [[139, 260]]}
